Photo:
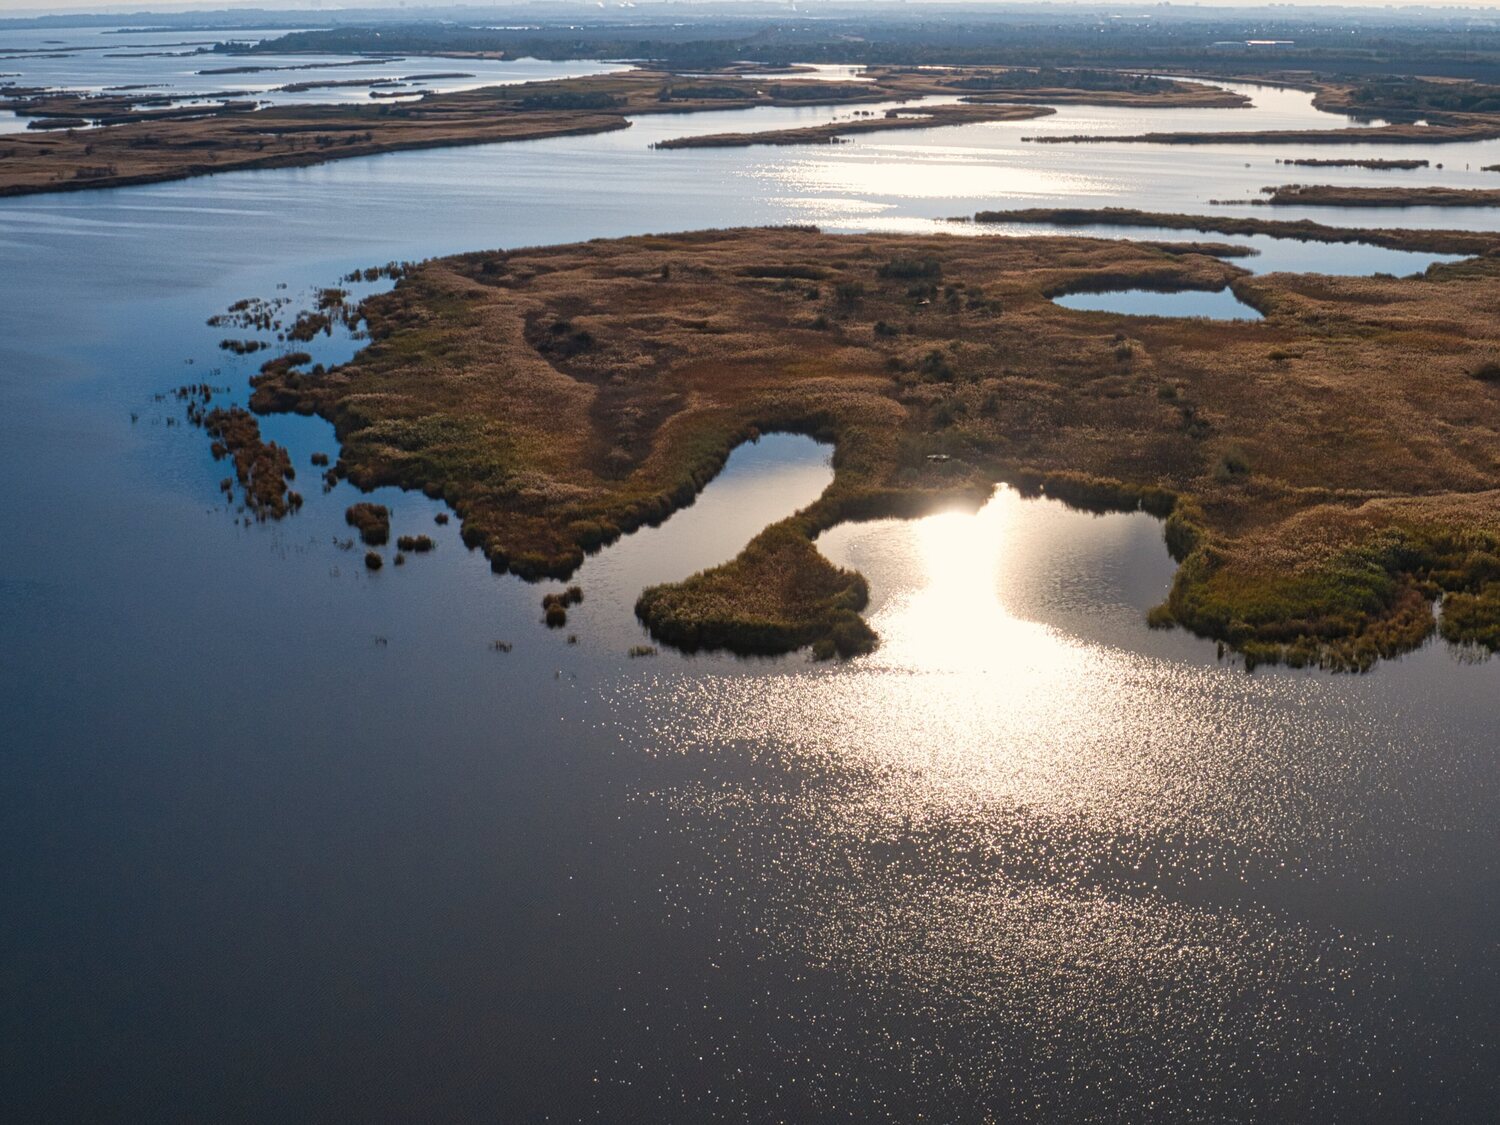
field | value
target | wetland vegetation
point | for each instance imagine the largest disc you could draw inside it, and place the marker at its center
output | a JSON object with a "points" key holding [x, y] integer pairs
{"points": [[834, 132], [1326, 473], [1429, 240], [1331, 195], [134, 144]]}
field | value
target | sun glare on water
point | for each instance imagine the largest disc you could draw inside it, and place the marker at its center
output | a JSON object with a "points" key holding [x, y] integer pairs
{"points": [[951, 617]]}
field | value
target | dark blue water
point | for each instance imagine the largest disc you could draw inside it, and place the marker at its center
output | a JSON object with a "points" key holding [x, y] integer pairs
{"points": [[283, 839]]}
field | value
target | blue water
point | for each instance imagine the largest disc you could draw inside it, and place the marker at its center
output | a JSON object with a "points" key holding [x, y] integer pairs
{"points": [[281, 839], [1219, 304]]}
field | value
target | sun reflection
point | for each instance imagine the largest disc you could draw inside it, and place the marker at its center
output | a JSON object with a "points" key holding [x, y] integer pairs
{"points": [[952, 617], [910, 172], [947, 611], [1057, 825]]}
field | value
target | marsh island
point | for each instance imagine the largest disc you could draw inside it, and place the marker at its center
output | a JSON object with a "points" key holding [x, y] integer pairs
{"points": [[1325, 473]]}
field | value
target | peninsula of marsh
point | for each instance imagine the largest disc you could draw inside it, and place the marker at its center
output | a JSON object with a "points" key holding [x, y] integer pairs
{"points": [[1325, 472]]}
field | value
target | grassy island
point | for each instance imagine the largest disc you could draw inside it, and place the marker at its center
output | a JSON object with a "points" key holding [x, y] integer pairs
{"points": [[1333, 195], [1375, 165], [1325, 473], [1303, 230], [923, 117]]}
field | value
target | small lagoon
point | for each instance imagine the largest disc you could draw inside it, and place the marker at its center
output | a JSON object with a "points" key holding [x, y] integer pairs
{"points": [[1218, 304]]}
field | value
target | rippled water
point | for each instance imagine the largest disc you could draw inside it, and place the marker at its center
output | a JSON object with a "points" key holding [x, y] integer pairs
{"points": [[282, 838]]}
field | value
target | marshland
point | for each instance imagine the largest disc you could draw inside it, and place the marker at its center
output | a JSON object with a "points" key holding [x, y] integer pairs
{"points": [[1296, 543], [285, 832]]}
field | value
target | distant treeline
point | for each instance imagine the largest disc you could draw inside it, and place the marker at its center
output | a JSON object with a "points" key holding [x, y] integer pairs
{"points": [[1416, 97], [1446, 48], [1064, 79]]}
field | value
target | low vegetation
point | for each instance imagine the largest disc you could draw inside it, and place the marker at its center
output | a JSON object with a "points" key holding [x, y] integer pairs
{"points": [[1334, 195], [1325, 473], [372, 521], [835, 132], [1303, 230], [1371, 165], [262, 468]]}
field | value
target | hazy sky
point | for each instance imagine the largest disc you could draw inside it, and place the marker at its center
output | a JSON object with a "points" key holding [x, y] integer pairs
{"points": [[45, 7]]}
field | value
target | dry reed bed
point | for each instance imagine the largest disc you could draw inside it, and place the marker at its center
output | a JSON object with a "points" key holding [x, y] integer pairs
{"points": [[1326, 471]]}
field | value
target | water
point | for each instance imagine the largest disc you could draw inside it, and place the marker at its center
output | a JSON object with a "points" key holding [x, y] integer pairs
{"points": [[281, 838], [176, 64], [1270, 255], [1212, 304]]}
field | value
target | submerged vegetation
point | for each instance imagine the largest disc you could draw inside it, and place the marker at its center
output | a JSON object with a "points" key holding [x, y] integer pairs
{"points": [[1325, 473]]}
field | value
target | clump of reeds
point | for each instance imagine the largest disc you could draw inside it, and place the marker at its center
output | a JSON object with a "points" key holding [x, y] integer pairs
{"points": [[417, 544], [441, 519], [641, 650], [320, 459], [373, 561], [555, 606], [262, 467], [372, 521], [243, 347]]}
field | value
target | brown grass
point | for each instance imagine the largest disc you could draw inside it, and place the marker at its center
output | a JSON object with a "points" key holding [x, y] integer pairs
{"points": [[1327, 469], [372, 521], [262, 468], [1305, 230], [1330, 195], [919, 117]]}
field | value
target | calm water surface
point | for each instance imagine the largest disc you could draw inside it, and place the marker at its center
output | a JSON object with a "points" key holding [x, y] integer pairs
{"points": [[179, 65], [280, 838], [1212, 304]]}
